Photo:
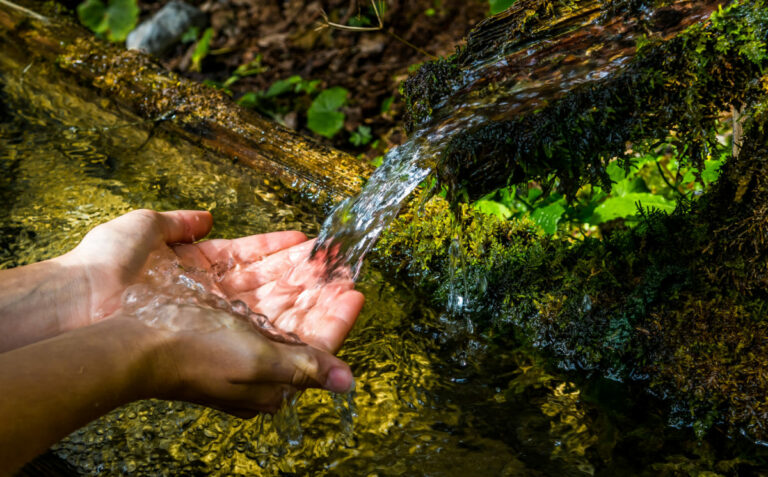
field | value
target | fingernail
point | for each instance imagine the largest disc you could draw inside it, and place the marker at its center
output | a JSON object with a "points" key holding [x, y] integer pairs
{"points": [[339, 380]]}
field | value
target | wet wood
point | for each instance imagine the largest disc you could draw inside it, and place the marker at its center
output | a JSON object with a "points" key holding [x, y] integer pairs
{"points": [[197, 113]]}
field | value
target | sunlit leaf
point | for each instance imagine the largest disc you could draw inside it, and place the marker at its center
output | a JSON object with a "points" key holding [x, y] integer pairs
{"points": [[201, 50], [324, 116], [548, 217], [626, 206], [493, 208]]}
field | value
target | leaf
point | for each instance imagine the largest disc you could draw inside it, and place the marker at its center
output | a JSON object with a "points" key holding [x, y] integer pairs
{"points": [[386, 105], [323, 116], [626, 206], [498, 6], [491, 207], [361, 137], [122, 16], [712, 170], [548, 217], [190, 35], [201, 50], [91, 14], [116, 19], [249, 100], [282, 86]]}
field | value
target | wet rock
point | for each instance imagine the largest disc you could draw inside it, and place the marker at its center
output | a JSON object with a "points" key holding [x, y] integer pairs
{"points": [[166, 27]]}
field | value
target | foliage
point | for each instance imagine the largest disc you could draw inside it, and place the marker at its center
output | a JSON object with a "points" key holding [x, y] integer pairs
{"points": [[253, 67], [498, 6], [643, 186], [324, 117], [201, 50], [114, 20], [680, 85], [361, 137]]}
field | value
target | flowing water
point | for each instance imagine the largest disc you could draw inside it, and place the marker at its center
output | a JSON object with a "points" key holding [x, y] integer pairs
{"points": [[426, 402]]}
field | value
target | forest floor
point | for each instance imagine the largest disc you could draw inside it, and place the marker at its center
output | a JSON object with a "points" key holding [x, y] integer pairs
{"points": [[272, 41]]}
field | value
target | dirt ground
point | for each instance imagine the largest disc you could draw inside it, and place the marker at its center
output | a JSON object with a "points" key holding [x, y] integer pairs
{"points": [[285, 35]]}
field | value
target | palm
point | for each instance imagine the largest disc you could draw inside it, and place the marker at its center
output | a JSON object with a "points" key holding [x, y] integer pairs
{"points": [[271, 274], [251, 269]]}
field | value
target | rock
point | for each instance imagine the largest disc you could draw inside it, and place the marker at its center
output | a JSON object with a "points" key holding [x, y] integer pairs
{"points": [[166, 27]]}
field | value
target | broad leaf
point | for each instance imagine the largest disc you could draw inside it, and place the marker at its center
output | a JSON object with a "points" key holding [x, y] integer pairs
{"points": [[548, 217], [626, 206], [323, 116], [493, 208], [115, 20]]}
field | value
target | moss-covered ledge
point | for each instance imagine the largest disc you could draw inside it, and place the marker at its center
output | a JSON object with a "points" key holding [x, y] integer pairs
{"points": [[679, 302], [680, 77]]}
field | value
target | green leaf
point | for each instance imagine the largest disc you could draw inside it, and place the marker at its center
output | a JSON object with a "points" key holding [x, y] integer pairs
{"points": [[201, 50], [548, 217], [386, 105], [626, 206], [190, 35], [282, 86], [91, 14], [629, 186], [712, 170], [323, 116], [498, 6], [493, 208], [116, 19], [249, 100], [361, 137], [122, 16]]}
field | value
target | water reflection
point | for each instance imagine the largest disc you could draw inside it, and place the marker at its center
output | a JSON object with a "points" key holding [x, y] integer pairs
{"points": [[429, 400]]}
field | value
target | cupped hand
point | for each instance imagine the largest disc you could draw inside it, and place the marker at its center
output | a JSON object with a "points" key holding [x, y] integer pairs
{"points": [[250, 269], [236, 370]]}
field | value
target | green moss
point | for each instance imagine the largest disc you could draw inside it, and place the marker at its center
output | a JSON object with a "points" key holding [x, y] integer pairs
{"points": [[682, 85], [680, 302]]}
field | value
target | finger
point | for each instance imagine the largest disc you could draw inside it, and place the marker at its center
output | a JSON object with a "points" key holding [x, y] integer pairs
{"points": [[302, 367], [252, 248], [327, 327], [184, 226]]}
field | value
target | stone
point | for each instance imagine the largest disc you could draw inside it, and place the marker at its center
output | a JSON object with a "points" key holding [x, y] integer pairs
{"points": [[166, 27]]}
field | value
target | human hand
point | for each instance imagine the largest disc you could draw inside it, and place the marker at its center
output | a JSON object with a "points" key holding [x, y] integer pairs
{"points": [[234, 369], [251, 269]]}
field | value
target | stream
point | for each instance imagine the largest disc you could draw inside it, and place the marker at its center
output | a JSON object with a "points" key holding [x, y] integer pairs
{"points": [[431, 398]]}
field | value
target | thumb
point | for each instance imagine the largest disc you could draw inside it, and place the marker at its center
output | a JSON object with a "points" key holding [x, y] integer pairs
{"points": [[318, 369]]}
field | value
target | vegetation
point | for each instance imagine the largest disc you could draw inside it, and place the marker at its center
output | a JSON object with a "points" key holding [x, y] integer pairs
{"points": [[677, 300]]}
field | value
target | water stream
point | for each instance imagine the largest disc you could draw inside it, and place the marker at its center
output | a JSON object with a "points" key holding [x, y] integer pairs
{"points": [[424, 403]]}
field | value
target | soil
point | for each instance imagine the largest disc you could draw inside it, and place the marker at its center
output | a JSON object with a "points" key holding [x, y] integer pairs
{"points": [[291, 37]]}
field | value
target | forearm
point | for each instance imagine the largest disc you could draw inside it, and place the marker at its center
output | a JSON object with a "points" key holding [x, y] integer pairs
{"points": [[51, 388], [40, 301]]}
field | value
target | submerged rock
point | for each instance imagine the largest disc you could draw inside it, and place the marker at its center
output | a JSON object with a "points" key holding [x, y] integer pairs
{"points": [[166, 27]]}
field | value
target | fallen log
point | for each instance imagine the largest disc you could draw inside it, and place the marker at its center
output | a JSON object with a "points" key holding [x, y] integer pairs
{"points": [[38, 33]]}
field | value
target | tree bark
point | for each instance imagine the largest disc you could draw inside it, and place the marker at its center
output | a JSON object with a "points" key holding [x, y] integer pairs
{"points": [[32, 34]]}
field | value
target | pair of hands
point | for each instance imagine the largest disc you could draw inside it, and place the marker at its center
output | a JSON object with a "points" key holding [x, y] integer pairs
{"points": [[229, 368]]}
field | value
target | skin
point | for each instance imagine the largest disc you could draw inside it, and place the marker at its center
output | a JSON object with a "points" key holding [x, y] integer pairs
{"points": [[69, 355]]}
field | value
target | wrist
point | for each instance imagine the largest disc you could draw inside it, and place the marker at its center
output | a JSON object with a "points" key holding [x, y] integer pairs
{"points": [[72, 290]]}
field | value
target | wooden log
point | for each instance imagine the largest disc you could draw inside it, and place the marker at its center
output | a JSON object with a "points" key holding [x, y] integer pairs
{"points": [[36, 33]]}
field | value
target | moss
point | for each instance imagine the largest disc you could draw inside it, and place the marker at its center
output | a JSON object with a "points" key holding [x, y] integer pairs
{"points": [[682, 84], [679, 302]]}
